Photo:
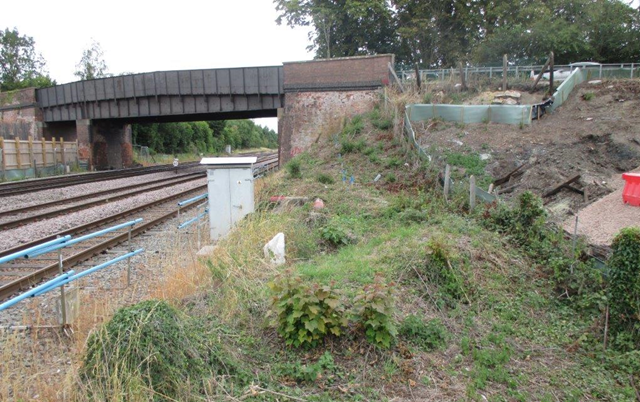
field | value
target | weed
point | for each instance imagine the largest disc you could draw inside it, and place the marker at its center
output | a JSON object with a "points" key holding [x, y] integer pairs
{"points": [[393, 162], [451, 281], [354, 126], [323, 369], [390, 178], [348, 146], [427, 335], [588, 96], [472, 163], [151, 344], [374, 308], [294, 168], [412, 216], [305, 314], [335, 235], [428, 98], [325, 178]]}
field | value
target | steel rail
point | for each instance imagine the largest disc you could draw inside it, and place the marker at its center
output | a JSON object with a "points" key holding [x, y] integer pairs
{"points": [[21, 221]]}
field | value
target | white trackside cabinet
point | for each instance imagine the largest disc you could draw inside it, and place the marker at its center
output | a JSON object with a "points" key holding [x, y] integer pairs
{"points": [[230, 186]]}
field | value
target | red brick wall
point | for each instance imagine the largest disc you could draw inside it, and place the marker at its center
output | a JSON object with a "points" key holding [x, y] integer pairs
{"points": [[17, 117], [342, 70], [309, 115]]}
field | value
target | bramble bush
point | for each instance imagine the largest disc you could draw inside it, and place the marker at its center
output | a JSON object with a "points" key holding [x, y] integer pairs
{"points": [[306, 314], [624, 288], [373, 309]]}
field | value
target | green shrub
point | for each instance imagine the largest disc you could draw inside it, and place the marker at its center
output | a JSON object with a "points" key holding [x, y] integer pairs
{"points": [[334, 234], [390, 178], [412, 215], [382, 123], [451, 281], [588, 96], [427, 335], [373, 309], [347, 146], [354, 126], [624, 285], [323, 369], [305, 314], [393, 162], [294, 168], [153, 345], [325, 178]]}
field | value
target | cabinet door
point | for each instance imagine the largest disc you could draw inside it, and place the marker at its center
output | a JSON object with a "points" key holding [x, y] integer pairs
{"points": [[241, 193], [219, 202]]}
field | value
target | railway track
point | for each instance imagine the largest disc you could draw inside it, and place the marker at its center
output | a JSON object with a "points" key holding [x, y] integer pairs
{"points": [[24, 273], [47, 183]]}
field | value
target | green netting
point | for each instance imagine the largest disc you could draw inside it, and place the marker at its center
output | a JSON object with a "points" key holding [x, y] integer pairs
{"points": [[506, 114]]}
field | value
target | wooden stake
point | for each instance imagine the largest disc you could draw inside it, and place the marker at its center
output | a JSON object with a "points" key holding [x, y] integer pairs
{"points": [[472, 193], [53, 148], [505, 64], [30, 139], [44, 152], [463, 81], [418, 78], [606, 326], [535, 83], [447, 181], [64, 159], [18, 155]]}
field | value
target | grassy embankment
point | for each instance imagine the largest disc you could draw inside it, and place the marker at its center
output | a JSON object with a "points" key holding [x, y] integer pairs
{"points": [[473, 305]]}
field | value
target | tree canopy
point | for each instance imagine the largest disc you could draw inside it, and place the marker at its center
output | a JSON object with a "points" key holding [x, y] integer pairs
{"points": [[203, 137], [440, 33], [20, 65], [92, 64]]}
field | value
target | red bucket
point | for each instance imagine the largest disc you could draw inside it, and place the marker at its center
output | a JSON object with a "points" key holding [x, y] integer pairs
{"points": [[631, 192]]}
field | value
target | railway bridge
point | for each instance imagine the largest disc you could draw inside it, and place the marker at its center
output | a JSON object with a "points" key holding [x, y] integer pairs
{"points": [[308, 98]]}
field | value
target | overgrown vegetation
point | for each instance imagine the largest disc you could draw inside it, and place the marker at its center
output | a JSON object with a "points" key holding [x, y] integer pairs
{"points": [[374, 308], [203, 137], [306, 313]]}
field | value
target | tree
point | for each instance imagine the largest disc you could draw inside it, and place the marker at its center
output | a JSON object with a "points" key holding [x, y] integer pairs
{"points": [[20, 65], [92, 64], [342, 27]]}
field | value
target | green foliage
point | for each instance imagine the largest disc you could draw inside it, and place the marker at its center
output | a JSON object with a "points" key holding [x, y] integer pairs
{"points": [[390, 178], [605, 31], [353, 126], [451, 281], [428, 98], [411, 215], [20, 65], [624, 286], [588, 96], [203, 137], [155, 344], [428, 335], [92, 65], [335, 234], [306, 314], [294, 168], [323, 369], [472, 163], [348, 146], [373, 309], [325, 178], [393, 162]]}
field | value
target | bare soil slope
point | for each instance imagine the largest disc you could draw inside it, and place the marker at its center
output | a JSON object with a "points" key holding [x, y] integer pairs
{"points": [[596, 134]]}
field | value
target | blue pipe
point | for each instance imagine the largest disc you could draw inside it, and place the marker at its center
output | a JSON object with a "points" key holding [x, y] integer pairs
{"points": [[190, 221], [34, 291], [26, 251], [82, 238], [89, 271], [194, 199]]}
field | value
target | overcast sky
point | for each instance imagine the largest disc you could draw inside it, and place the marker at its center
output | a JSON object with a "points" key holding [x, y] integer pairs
{"points": [[141, 35]]}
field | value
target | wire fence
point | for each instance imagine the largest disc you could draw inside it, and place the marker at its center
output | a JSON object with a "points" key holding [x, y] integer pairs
{"points": [[561, 72]]}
